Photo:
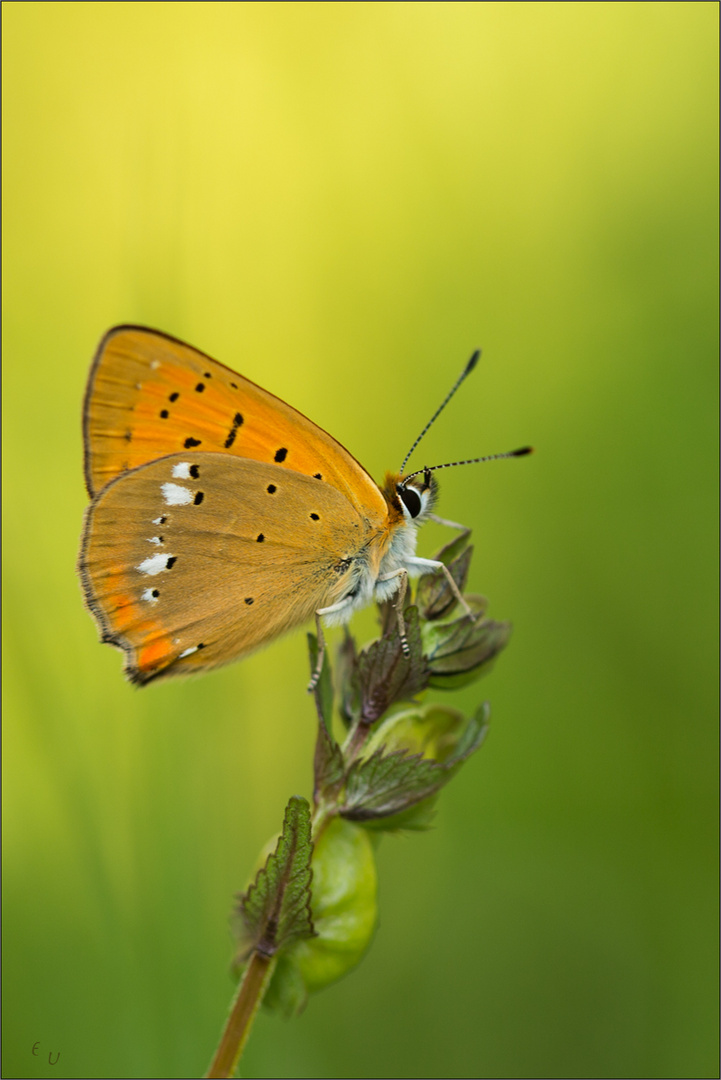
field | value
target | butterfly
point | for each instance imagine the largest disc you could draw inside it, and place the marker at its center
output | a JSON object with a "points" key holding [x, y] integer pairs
{"points": [[221, 517]]}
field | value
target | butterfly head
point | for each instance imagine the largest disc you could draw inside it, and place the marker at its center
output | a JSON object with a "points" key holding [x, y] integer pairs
{"points": [[414, 496]]}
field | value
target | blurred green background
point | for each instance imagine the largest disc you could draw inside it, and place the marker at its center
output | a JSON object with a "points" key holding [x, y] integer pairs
{"points": [[341, 201]]}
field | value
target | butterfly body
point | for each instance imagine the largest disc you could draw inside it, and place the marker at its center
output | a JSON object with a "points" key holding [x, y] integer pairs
{"points": [[221, 517]]}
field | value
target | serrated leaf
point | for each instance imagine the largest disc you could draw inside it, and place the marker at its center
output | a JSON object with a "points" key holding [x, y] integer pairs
{"points": [[386, 784], [275, 910], [385, 675], [345, 913]]}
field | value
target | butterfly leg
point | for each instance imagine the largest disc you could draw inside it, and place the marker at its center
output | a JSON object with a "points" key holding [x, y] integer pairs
{"points": [[321, 640], [436, 566], [403, 575]]}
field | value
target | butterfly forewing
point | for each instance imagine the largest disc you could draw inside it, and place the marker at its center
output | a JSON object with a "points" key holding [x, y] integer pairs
{"points": [[189, 561], [150, 395]]}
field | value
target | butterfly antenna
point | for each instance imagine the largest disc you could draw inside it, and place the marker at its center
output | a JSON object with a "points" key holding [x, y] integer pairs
{"points": [[466, 371], [472, 461]]}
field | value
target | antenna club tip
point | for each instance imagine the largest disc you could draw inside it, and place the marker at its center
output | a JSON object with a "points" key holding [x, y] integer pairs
{"points": [[522, 452], [472, 362]]}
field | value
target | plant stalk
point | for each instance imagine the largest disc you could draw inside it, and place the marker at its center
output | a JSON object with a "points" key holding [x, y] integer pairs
{"points": [[242, 1013]]}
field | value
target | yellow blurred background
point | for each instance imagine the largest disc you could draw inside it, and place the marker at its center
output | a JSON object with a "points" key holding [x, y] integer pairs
{"points": [[341, 201]]}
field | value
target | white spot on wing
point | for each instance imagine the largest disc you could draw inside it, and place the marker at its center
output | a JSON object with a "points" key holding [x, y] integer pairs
{"points": [[148, 595], [158, 521], [154, 540], [188, 652], [182, 470], [176, 494], [154, 564], [154, 365]]}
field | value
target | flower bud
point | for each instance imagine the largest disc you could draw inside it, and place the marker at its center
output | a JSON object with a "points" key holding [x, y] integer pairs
{"points": [[458, 651], [431, 730], [411, 754]]}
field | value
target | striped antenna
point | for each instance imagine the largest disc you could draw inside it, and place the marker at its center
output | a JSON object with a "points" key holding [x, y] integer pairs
{"points": [[472, 461], [466, 371]]}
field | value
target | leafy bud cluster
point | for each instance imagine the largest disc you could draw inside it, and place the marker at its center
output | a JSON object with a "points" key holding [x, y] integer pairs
{"points": [[313, 905]]}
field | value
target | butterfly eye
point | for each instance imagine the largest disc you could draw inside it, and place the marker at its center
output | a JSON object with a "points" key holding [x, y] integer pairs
{"points": [[411, 500]]}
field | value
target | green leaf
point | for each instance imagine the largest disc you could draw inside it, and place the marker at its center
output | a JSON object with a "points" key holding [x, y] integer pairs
{"points": [[323, 692], [328, 764], [385, 675], [275, 911], [472, 738], [453, 548], [286, 993], [386, 784], [348, 679], [416, 818]]}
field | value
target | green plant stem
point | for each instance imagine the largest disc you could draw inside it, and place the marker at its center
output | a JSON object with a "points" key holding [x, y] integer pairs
{"points": [[242, 1013], [356, 737]]}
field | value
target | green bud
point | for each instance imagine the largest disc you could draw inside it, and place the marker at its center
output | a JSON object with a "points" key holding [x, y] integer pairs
{"points": [[345, 913], [411, 754], [431, 730]]}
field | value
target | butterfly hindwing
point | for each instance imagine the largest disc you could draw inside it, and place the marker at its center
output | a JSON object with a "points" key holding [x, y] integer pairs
{"points": [[150, 395], [196, 559]]}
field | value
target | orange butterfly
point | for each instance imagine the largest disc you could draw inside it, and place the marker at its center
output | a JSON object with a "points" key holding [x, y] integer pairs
{"points": [[221, 517]]}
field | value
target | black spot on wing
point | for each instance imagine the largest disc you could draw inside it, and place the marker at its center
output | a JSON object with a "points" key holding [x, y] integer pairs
{"points": [[155, 593], [194, 471], [281, 454], [260, 538], [174, 396], [189, 442], [171, 562], [230, 438], [271, 489], [164, 414], [315, 517], [200, 388], [249, 599], [199, 496], [317, 476]]}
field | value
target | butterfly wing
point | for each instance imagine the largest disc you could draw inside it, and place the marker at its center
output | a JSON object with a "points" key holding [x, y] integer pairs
{"points": [[189, 562], [150, 395]]}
